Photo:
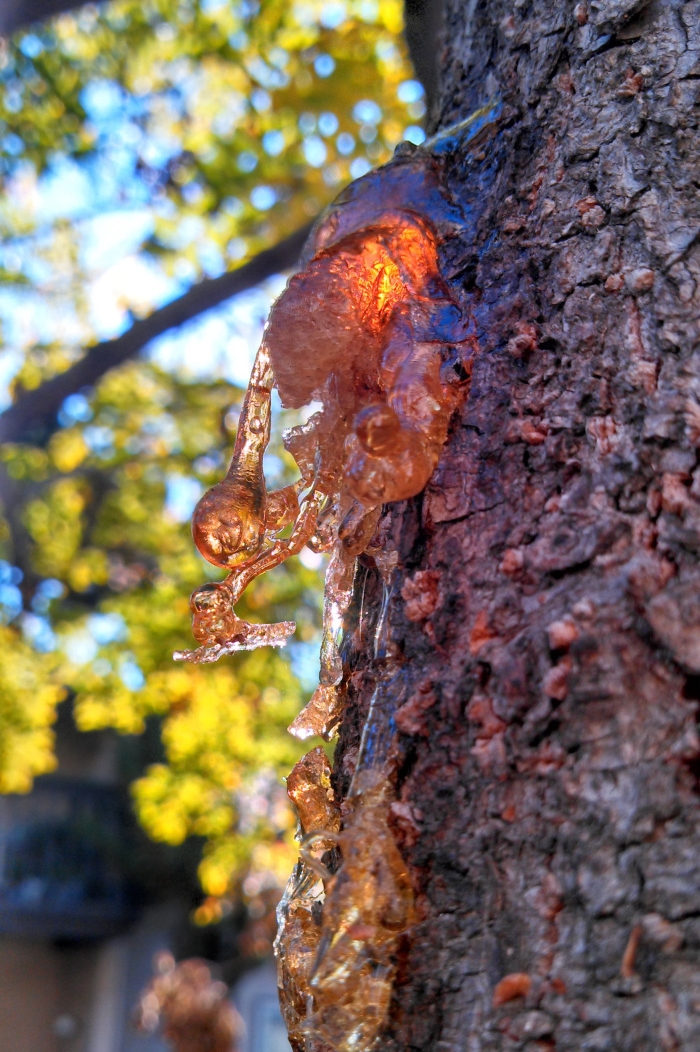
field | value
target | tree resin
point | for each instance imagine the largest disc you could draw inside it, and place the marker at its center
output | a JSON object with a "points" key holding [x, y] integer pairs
{"points": [[370, 329]]}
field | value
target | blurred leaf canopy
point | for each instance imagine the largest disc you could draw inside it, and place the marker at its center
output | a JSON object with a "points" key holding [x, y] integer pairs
{"points": [[145, 145]]}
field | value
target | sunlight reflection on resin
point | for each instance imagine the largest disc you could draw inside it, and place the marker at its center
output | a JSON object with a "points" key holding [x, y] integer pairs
{"points": [[370, 329]]}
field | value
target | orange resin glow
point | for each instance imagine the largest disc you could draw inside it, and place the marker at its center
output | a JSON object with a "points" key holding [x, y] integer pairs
{"points": [[338, 933], [370, 329], [365, 328]]}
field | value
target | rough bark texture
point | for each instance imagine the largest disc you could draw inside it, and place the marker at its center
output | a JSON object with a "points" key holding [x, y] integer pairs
{"points": [[550, 619]]}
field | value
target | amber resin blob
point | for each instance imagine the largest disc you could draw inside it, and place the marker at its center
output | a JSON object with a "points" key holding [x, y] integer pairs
{"points": [[366, 328], [338, 932], [370, 329]]}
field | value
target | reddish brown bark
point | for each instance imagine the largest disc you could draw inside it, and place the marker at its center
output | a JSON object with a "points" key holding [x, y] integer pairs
{"points": [[548, 800]]}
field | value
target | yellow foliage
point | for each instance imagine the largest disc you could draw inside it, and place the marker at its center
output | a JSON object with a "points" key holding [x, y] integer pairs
{"points": [[68, 449], [237, 103], [88, 567], [29, 694], [55, 525]]}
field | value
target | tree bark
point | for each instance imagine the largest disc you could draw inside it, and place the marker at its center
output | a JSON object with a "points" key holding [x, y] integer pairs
{"points": [[549, 619]]}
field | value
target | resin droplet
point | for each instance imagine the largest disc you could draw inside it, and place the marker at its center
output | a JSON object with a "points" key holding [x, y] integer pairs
{"points": [[299, 912], [361, 329], [367, 327], [228, 524], [321, 716], [369, 904], [309, 788], [215, 622]]}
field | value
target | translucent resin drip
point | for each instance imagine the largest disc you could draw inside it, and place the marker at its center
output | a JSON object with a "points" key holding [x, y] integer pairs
{"points": [[338, 933], [354, 918], [368, 906], [369, 328], [299, 911]]}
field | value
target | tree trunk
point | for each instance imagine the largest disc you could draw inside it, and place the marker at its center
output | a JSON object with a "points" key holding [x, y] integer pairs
{"points": [[550, 607]]}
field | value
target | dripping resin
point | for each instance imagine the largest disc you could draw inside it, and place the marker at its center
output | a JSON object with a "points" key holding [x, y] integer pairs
{"points": [[338, 933], [370, 329], [340, 996], [364, 328]]}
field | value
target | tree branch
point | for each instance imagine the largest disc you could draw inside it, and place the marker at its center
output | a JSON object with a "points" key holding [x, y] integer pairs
{"points": [[422, 28], [15, 14], [35, 409]]}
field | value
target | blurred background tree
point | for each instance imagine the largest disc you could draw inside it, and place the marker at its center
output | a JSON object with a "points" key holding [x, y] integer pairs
{"points": [[156, 157]]}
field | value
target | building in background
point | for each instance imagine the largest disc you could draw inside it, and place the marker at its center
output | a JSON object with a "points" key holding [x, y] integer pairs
{"points": [[76, 942], [255, 997], [77, 933]]}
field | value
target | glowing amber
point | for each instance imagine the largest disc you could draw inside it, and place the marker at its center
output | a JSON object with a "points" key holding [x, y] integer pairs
{"points": [[310, 790], [228, 524], [371, 330], [299, 912], [365, 328], [361, 328], [336, 968]]}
